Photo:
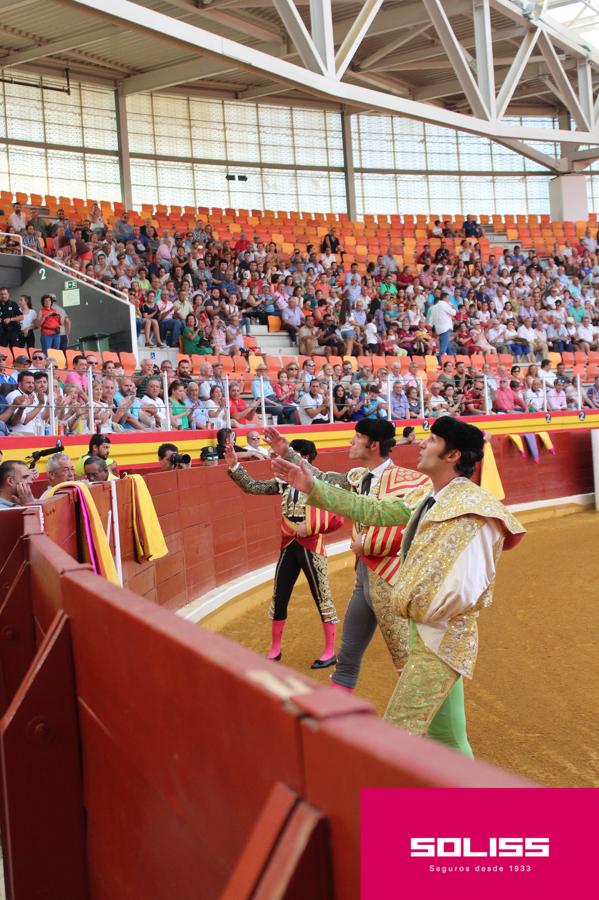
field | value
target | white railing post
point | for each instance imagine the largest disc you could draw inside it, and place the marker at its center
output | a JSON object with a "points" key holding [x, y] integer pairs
{"points": [[227, 402], [579, 392], [262, 402], [486, 389], [389, 416], [544, 395], [421, 392], [331, 411], [90, 400], [167, 414], [51, 401], [116, 531]]}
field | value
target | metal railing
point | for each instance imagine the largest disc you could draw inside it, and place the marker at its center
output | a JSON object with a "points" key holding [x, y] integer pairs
{"points": [[54, 415], [76, 274], [54, 263]]}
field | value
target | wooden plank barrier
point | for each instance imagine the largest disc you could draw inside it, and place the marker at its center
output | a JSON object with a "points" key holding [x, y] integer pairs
{"points": [[145, 757]]}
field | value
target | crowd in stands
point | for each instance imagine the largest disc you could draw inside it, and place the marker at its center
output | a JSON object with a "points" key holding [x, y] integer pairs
{"points": [[169, 397], [483, 330]]}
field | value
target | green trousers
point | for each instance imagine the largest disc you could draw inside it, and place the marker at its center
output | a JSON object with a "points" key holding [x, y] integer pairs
{"points": [[429, 698]]}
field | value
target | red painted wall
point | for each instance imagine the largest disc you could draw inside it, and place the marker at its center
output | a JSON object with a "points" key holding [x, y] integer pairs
{"points": [[215, 532]]}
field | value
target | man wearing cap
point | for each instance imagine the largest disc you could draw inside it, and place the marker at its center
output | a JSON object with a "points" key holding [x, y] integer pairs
{"points": [[376, 549], [286, 413], [302, 550], [451, 546]]}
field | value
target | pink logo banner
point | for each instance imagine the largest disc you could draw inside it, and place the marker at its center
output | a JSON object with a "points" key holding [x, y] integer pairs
{"points": [[507, 843]]}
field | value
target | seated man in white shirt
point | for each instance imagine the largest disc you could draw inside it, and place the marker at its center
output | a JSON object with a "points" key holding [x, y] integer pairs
{"points": [[152, 404], [586, 335], [24, 413], [313, 408], [534, 396]]}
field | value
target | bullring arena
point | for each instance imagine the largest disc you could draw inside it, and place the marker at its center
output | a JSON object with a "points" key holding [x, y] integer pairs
{"points": [[231, 233]]}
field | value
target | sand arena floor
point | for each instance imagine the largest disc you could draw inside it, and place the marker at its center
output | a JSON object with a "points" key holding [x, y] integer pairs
{"points": [[533, 706]]}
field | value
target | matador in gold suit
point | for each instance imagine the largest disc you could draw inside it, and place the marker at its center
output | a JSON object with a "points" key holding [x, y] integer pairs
{"points": [[302, 550], [455, 533], [378, 561]]}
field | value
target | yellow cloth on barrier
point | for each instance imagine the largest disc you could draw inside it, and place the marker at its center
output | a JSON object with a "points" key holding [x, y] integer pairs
{"points": [[517, 440], [94, 535], [490, 479], [546, 441], [149, 539]]}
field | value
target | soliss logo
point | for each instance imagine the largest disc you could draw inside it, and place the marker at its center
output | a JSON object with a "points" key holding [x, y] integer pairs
{"points": [[463, 846]]}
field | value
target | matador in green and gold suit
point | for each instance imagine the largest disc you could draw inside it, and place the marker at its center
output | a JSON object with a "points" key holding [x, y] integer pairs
{"points": [[451, 546]]}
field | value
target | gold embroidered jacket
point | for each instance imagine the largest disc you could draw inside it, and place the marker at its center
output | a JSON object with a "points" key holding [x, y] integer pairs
{"points": [[380, 546], [449, 572], [293, 509]]}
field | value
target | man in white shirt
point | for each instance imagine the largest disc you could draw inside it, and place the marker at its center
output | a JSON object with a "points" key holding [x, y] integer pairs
{"points": [[313, 409], [17, 219], [545, 373], [152, 404], [534, 396], [586, 335], [442, 316], [24, 412]]}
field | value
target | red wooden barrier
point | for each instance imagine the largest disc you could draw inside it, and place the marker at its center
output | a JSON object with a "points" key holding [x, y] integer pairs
{"points": [[184, 737]]}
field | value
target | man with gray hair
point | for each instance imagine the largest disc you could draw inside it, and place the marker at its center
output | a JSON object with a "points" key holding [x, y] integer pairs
{"points": [[59, 468], [95, 469]]}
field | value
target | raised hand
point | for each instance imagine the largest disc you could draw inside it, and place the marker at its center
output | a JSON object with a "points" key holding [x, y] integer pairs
{"points": [[275, 440], [298, 477], [230, 456]]}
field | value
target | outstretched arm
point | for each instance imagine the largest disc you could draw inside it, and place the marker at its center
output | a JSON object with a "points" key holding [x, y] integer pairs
{"points": [[244, 480], [280, 446], [367, 510]]}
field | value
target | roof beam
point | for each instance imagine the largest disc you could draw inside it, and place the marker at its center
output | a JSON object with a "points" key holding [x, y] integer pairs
{"points": [[562, 82], [249, 27], [70, 42], [436, 49], [556, 165], [187, 70], [356, 35], [385, 82], [456, 57], [371, 60], [265, 90], [321, 26], [484, 53], [297, 31], [238, 55], [515, 72], [562, 36]]}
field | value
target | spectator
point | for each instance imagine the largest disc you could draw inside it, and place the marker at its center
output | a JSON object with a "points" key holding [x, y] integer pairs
{"points": [[10, 318], [95, 470], [442, 315], [285, 412], [474, 402], [253, 449], [152, 404], [15, 484], [313, 407], [556, 397], [99, 446], [59, 469], [399, 402], [534, 396], [23, 414], [17, 219], [506, 400], [593, 393], [49, 322]]}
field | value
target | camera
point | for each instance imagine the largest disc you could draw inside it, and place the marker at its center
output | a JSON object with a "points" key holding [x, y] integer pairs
{"points": [[180, 460]]}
